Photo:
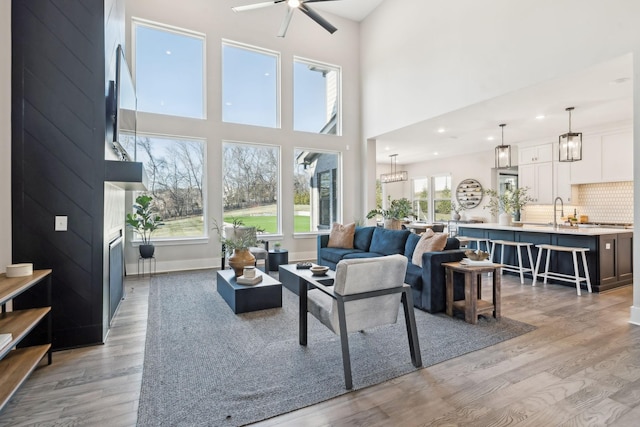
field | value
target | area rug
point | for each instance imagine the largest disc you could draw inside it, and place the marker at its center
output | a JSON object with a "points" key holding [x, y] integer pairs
{"points": [[206, 366]]}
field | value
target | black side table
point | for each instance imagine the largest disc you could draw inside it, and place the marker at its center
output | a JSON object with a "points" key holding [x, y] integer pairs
{"points": [[277, 258]]}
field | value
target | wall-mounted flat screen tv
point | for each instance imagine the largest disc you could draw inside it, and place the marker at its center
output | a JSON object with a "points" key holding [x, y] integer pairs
{"points": [[121, 110]]}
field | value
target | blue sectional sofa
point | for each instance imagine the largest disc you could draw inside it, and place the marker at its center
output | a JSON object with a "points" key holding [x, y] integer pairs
{"points": [[427, 282]]}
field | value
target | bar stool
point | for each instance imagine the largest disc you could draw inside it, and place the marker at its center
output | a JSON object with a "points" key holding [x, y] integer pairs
{"points": [[521, 269], [464, 241], [560, 276]]}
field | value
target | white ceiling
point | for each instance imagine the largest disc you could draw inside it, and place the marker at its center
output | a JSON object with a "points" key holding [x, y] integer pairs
{"points": [[356, 10], [602, 97]]}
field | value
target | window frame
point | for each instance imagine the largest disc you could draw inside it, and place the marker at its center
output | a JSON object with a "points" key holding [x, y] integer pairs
{"points": [[338, 186], [135, 21], [432, 195], [268, 236], [415, 200], [167, 241], [278, 89], [334, 67]]}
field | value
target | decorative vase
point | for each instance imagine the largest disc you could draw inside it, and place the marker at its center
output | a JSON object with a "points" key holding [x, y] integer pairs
{"points": [[455, 216], [240, 259], [504, 219], [393, 224], [516, 216], [146, 251]]}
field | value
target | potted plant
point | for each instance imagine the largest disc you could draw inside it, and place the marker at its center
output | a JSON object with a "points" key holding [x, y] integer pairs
{"points": [[144, 221], [519, 199], [277, 246], [507, 204], [237, 239], [398, 210], [455, 211]]}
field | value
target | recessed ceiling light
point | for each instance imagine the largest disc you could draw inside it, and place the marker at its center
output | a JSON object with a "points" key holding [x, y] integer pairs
{"points": [[168, 52], [441, 130], [387, 148], [490, 138], [540, 116], [435, 153], [228, 104], [267, 74]]}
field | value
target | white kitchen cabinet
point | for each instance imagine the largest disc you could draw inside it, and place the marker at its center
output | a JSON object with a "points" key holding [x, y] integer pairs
{"points": [[589, 169], [562, 180], [617, 157], [535, 154], [538, 177]]}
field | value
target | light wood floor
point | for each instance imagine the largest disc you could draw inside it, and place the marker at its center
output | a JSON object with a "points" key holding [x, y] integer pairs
{"points": [[580, 367]]}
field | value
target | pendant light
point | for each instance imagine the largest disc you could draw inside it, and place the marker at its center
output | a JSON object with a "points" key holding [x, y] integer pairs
{"points": [[570, 144], [503, 153], [394, 175]]}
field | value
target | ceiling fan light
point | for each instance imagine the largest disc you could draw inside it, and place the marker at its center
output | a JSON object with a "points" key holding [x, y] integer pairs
{"points": [[293, 3]]}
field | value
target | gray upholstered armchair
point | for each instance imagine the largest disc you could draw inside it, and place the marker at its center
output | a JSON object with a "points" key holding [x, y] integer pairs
{"points": [[366, 293]]}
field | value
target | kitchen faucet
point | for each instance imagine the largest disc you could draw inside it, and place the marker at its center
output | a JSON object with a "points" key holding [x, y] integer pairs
{"points": [[555, 221]]}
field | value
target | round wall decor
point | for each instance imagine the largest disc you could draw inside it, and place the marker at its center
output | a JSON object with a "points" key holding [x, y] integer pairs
{"points": [[469, 193]]}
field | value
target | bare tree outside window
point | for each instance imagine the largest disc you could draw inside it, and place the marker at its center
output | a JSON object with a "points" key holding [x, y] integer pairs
{"points": [[250, 185], [175, 168]]}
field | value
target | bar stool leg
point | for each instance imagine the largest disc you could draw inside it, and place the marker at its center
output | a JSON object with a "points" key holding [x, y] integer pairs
{"points": [[501, 257], [586, 270], [520, 265], [493, 250], [576, 271], [546, 266], [535, 273], [530, 258]]}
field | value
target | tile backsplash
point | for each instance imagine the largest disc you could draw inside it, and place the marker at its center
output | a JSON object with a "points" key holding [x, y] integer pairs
{"points": [[602, 202]]}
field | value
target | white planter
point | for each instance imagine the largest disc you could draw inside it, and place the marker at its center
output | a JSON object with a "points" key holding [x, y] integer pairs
{"points": [[504, 219]]}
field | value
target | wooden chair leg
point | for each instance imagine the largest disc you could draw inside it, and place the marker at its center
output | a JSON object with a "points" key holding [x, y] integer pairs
{"points": [[344, 342]]}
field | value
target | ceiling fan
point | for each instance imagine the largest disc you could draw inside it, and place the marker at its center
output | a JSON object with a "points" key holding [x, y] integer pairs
{"points": [[301, 5]]}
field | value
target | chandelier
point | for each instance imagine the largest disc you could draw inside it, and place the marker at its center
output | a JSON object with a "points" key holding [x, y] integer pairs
{"points": [[394, 175]]}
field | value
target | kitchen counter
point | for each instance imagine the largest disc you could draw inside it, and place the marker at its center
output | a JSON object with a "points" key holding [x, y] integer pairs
{"points": [[564, 229], [609, 258]]}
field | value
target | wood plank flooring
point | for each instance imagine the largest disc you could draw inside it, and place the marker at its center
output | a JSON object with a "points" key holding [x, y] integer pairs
{"points": [[581, 367]]}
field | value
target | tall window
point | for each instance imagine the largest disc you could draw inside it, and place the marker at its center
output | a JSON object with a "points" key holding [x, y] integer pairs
{"points": [[169, 70], [441, 197], [176, 170], [250, 180], [317, 201], [250, 85], [316, 97], [421, 198]]}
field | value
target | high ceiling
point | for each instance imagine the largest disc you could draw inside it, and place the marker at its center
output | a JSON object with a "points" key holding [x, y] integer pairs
{"points": [[356, 10], [602, 97]]}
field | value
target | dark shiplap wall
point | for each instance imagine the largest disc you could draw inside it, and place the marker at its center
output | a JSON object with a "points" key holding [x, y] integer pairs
{"points": [[58, 127]]}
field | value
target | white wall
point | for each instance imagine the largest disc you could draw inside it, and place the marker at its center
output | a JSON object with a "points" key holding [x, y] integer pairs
{"points": [[258, 28], [423, 58], [5, 134]]}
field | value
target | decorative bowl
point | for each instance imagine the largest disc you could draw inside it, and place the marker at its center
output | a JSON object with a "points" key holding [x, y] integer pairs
{"points": [[319, 270], [476, 255]]}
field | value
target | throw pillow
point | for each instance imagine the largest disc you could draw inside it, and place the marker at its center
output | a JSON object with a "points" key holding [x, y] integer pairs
{"points": [[429, 242], [341, 236]]}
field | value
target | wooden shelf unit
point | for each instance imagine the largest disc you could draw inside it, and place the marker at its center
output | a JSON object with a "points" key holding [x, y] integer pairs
{"points": [[16, 364]]}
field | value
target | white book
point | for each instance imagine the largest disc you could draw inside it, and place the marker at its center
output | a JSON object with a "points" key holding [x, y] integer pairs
{"points": [[246, 281], [5, 339]]}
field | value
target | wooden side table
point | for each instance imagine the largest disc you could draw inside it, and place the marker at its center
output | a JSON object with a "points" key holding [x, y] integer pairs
{"points": [[473, 304]]}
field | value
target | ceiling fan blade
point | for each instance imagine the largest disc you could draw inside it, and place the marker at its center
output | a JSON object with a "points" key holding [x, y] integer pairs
{"points": [[316, 1], [319, 19], [285, 22], [255, 5]]}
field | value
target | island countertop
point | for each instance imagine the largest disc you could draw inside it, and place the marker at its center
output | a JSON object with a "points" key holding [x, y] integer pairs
{"points": [[609, 256], [573, 230]]}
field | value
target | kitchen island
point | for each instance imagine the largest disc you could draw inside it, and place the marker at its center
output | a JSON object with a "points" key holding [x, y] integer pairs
{"points": [[610, 257]]}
